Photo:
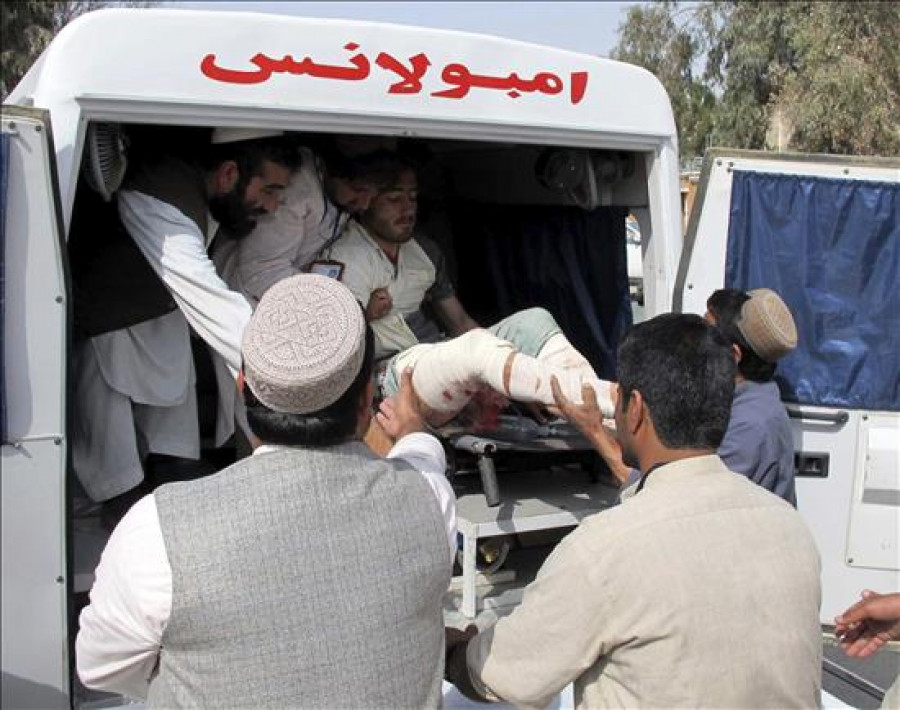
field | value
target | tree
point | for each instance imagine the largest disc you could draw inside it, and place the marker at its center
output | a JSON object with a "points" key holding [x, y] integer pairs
{"points": [[844, 94], [655, 37], [822, 76], [27, 26]]}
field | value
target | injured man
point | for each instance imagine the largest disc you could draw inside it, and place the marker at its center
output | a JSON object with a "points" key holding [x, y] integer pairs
{"points": [[516, 358]]}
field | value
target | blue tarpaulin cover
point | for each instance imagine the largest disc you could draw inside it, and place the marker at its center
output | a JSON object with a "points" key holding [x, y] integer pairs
{"points": [[831, 249]]}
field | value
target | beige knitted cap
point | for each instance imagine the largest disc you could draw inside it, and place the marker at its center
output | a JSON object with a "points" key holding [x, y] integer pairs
{"points": [[767, 325], [304, 345]]}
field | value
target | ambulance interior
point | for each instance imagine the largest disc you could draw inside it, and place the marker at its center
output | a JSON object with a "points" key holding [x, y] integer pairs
{"points": [[521, 225]]}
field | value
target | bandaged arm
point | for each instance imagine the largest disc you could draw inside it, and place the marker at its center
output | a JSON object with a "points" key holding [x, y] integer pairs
{"points": [[447, 374]]}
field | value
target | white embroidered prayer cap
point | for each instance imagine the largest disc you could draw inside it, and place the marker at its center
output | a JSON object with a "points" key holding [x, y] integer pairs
{"points": [[304, 345], [225, 134], [767, 325]]}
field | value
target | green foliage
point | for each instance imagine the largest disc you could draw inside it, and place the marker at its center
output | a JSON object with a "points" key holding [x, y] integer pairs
{"points": [[652, 38], [806, 76], [27, 26]]}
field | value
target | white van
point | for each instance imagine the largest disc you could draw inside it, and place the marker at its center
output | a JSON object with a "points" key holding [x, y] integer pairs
{"points": [[535, 158]]}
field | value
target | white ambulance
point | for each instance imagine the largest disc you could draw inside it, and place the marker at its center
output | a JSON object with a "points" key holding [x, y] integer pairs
{"points": [[534, 159]]}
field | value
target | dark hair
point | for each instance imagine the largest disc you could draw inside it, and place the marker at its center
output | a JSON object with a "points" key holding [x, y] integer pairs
{"points": [[332, 425], [684, 369], [725, 305], [250, 156], [380, 167]]}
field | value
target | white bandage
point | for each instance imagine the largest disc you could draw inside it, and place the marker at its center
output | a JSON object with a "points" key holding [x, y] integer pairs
{"points": [[530, 382], [447, 374], [560, 352]]}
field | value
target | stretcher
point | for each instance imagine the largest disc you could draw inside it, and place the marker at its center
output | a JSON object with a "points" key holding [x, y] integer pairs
{"points": [[531, 477], [518, 443]]}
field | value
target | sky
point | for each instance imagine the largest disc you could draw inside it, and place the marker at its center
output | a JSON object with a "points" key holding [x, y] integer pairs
{"points": [[588, 27]]}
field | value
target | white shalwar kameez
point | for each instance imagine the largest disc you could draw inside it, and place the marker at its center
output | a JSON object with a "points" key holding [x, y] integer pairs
{"points": [[134, 387]]}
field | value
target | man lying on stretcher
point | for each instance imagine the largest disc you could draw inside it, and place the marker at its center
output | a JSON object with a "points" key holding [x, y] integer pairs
{"points": [[515, 359]]}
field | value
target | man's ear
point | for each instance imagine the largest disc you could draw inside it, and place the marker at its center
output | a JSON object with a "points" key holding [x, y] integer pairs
{"points": [[635, 411], [736, 351], [240, 381], [366, 398], [226, 177]]}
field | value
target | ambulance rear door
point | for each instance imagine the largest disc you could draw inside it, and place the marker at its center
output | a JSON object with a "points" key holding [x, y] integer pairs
{"points": [[824, 232], [33, 317]]}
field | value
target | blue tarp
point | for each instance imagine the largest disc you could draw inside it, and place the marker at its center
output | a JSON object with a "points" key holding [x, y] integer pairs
{"points": [[571, 262], [831, 248]]}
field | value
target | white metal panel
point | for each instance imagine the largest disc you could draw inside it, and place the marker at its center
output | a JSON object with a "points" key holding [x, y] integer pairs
{"points": [[874, 539], [662, 242], [706, 270], [826, 505], [34, 638]]}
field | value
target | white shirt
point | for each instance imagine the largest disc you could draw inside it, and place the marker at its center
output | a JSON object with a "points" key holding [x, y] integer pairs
{"points": [[120, 632], [284, 241], [367, 267], [176, 249], [129, 358]]}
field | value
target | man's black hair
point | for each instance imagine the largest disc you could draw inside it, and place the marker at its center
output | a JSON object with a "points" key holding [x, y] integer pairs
{"points": [[725, 305], [332, 425], [684, 369], [381, 167]]}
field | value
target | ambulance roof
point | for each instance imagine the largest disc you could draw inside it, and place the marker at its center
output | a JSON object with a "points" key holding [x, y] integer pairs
{"points": [[210, 67]]}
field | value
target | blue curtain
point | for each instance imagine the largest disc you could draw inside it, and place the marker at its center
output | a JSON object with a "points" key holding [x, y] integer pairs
{"points": [[831, 248], [571, 262]]}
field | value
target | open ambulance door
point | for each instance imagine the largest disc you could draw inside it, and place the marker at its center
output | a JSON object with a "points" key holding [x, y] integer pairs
{"points": [[33, 317], [824, 232]]}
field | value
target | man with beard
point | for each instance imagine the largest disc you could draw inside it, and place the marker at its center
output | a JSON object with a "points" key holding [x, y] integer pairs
{"points": [[393, 273], [134, 376], [335, 182]]}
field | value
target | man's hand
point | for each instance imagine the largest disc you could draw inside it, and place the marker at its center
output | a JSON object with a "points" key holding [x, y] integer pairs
{"points": [[588, 419], [456, 669], [453, 636], [379, 305], [401, 414], [868, 625]]}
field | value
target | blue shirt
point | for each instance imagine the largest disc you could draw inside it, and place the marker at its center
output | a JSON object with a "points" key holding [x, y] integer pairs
{"points": [[758, 442]]}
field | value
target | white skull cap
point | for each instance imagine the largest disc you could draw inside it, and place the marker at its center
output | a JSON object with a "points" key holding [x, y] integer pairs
{"points": [[304, 344]]}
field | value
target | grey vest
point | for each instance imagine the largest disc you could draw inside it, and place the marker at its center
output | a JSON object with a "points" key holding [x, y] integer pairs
{"points": [[304, 578]]}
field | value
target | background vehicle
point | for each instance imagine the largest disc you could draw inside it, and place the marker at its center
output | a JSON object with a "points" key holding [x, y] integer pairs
{"points": [[824, 231]]}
